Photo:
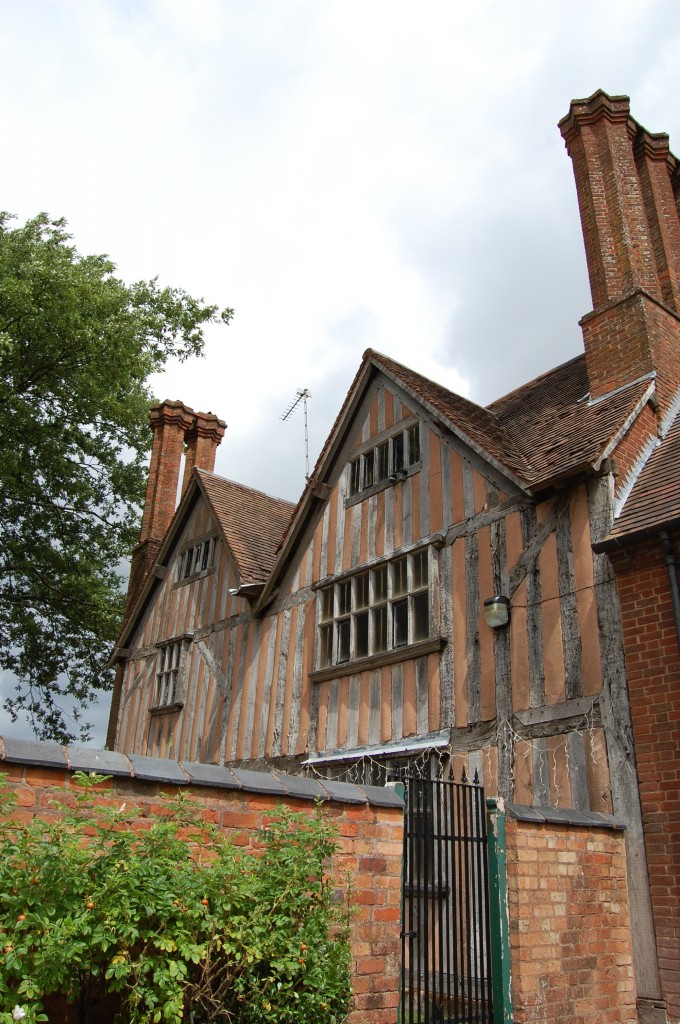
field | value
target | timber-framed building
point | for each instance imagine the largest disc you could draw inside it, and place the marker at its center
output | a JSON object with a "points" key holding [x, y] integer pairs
{"points": [[350, 629]]}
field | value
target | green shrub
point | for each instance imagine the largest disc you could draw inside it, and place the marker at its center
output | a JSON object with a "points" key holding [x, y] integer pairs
{"points": [[171, 916]]}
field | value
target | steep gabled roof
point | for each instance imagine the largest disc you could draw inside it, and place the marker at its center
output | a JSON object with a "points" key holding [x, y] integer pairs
{"points": [[252, 523], [654, 501], [558, 429]]}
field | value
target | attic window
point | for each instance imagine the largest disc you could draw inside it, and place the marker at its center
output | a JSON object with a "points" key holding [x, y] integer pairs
{"points": [[386, 460], [372, 612], [196, 559]]}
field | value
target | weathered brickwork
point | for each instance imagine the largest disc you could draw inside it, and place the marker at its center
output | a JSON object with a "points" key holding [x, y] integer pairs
{"points": [[370, 849], [653, 669], [569, 925]]}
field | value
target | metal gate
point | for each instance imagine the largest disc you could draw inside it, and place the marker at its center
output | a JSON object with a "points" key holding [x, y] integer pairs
{"points": [[446, 957]]}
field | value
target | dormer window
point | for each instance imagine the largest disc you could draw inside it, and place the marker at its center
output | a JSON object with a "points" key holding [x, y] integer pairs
{"points": [[386, 460]]}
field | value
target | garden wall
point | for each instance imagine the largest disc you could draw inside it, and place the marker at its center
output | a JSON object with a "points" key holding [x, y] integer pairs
{"points": [[570, 938], [369, 821]]}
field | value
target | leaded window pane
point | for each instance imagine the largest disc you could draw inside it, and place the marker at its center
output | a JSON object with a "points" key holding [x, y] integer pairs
{"points": [[344, 597], [419, 571], [368, 469], [380, 584], [326, 646], [343, 640], [361, 591], [382, 461], [420, 616], [400, 577], [327, 604], [400, 623], [397, 453], [354, 476], [361, 635], [413, 444], [380, 629]]}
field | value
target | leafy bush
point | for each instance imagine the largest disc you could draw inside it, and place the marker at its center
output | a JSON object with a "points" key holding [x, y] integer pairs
{"points": [[169, 917]]}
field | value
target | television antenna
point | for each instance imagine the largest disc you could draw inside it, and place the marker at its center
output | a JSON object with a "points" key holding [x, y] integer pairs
{"points": [[301, 397]]}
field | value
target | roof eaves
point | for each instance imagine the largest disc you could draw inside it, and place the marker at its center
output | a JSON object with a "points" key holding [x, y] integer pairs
{"points": [[614, 541]]}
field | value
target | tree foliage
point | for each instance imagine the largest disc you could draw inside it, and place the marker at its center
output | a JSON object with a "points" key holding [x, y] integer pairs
{"points": [[77, 346], [167, 920]]}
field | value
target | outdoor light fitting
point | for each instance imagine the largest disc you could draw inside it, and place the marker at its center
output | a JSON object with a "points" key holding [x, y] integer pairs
{"points": [[497, 611], [247, 590]]}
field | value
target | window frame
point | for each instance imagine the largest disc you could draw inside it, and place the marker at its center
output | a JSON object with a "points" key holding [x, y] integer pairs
{"points": [[385, 617], [201, 549], [169, 677], [390, 456]]}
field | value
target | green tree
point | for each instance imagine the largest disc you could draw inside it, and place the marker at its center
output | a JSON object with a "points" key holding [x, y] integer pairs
{"points": [[77, 346]]}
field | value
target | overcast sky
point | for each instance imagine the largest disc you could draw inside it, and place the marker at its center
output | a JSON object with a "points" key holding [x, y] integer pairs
{"points": [[344, 173]]}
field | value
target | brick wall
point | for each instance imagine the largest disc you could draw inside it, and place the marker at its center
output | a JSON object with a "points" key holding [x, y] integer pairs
{"points": [[369, 822], [653, 670], [569, 924]]}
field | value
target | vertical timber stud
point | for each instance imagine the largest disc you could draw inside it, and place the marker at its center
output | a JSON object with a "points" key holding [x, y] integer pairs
{"points": [[499, 917]]}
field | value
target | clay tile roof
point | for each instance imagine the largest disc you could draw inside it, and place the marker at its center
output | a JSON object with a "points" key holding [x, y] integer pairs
{"points": [[556, 428], [252, 523], [542, 431], [655, 498]]}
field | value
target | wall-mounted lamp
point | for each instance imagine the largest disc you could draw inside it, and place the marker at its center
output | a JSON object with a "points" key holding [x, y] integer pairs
{"points": [[497, 611], [249, 590]]}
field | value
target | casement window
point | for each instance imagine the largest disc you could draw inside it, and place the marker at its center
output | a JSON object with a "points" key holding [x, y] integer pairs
{"points": [[386, 460], [378, 610], [168, 674], [196, 559]]}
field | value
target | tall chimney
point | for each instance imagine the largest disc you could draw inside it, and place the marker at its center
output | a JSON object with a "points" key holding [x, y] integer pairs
{"points": [[631, 229], [202, 441], [657, 168], [174, 425]]}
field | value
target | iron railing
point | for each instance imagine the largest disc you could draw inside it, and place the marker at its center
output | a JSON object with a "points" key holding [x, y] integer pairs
{"points": [[446, 960]]}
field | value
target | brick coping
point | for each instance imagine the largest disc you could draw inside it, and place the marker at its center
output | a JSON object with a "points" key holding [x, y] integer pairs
{"points": [[49, 754], [563, 816]]}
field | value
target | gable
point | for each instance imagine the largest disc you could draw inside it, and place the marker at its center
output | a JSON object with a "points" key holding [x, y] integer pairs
{"points": [[378, 414], [189, 590]]}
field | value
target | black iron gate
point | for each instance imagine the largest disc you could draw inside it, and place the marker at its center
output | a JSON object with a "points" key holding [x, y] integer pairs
{"points": [[446, 956]]}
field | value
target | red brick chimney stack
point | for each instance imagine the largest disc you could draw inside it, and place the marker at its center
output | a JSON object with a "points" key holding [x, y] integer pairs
{"points": [[659, 171], [625, 178], [174, 425], [169, 422], [202, 441]]}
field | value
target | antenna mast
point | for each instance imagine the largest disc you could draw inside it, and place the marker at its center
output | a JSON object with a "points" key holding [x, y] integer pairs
{"points": [[302, 395]]}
